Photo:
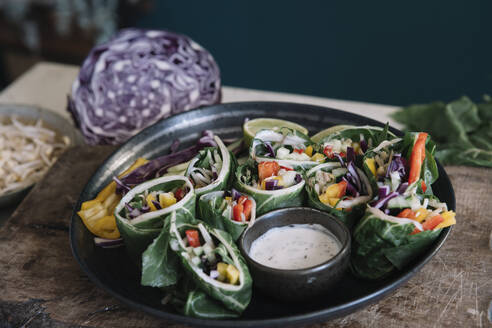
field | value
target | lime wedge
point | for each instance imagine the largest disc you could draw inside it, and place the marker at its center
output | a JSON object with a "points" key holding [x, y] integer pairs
{"points": [[251, 127], [320, 135]]}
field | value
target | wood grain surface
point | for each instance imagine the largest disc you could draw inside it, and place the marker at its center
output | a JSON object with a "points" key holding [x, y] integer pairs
{"points": [[41, 285]]}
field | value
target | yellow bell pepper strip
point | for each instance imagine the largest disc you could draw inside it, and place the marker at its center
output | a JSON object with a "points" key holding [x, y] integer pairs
{"points": [[232, 274], [106, 227], [417, 157], [167, 199], [449, 220], [97, 214], [318, 157], [150, 198], [309, 151], [371, 164]]}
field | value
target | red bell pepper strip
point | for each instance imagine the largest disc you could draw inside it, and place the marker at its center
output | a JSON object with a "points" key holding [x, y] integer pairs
{"points": [[417, 157], [193, 239], [242, 199], [407, 213], [179, 194], [328, 151], [342, 188], [248, 205], [267, 169], [342, 154], [430, 224], [286, 168], [299, 151], [237, 212], [424, 186]]}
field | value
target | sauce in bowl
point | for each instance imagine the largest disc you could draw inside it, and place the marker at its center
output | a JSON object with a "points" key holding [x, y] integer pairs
{"points": [[295, 246]]}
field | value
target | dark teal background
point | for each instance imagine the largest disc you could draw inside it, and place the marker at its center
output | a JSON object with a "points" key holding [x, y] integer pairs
{"points": [[389, 52]]}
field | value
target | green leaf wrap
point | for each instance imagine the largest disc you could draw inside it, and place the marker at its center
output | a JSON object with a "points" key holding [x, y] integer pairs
{"points": [[234, 297], [139, 232], [282, 137], [160, 266], [211, 209], [372, 134], [223, 178], [269, 200], [382, 244], [191, 301], [349, 215]]}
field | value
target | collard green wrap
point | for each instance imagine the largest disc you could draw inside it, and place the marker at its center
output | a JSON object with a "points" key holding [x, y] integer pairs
{"points": [[349, 211], [373, 135], [404, 146], [266, 143], [139, 232], [233, 297], [383, 243], [214, 210], [267, 200], [189, 300], [203, 159]]}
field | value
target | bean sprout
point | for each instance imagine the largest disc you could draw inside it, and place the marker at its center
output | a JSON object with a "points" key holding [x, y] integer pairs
{"points": [[27, 151]]}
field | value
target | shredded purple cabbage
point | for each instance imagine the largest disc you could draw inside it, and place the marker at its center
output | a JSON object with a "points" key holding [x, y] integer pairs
{"points": [[363, 145], [138, 78], [397, 164], [159, 166], [271, 152], [157, 204], [402, 188], [298, 178], [380, 203], [350, 154], [383, 191], [271, 184], [351, 190], [235, 194]]}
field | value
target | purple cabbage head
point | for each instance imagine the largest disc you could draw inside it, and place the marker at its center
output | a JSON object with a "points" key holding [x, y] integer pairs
{"points": [[137, 78]]}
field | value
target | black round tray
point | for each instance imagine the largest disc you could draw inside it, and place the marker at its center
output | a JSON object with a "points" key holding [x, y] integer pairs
{"points": [[113, 271]]}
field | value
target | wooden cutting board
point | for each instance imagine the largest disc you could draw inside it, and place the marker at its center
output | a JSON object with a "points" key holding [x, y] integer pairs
{"points": [[42, 285]]}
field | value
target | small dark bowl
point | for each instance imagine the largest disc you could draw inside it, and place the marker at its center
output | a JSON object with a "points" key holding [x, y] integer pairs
{"points": [[299, 284]]}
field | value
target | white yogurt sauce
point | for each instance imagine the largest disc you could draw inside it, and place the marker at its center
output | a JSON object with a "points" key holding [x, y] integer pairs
{"points": [[296, 246]]}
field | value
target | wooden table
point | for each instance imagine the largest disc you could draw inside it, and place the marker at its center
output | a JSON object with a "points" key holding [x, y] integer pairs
{"points": [[43, 286]]}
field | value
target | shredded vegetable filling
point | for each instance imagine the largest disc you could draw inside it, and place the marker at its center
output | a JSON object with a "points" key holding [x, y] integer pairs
{"points": [[27, 151]]}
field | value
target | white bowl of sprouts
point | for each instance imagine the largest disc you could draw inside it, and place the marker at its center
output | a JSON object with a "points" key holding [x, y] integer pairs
{"points": [[31, 140]]}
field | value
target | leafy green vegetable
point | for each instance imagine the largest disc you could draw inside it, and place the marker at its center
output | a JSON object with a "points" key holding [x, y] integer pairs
{"points": [[349, 215], [234, 297], [373, 135], [462, 129], [214, 210], [381, 245], [204, 159], [160, 266], [140, 232], [267, 200], [191, 301], [286, 138]]}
